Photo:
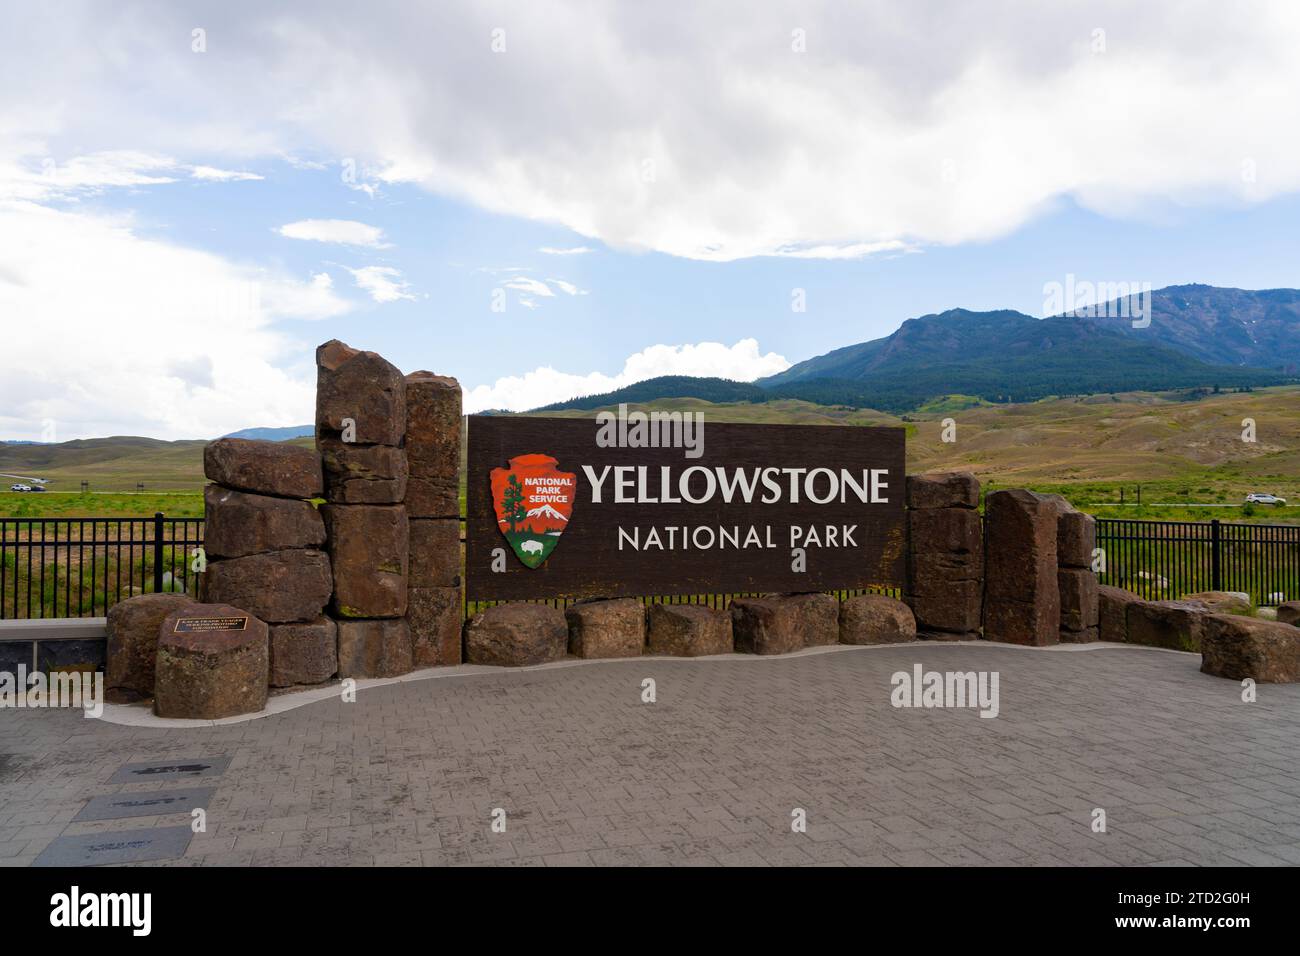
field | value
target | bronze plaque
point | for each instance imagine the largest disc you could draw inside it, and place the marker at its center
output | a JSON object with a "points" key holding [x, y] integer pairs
{"points": [[619, 506], [195, 625]]}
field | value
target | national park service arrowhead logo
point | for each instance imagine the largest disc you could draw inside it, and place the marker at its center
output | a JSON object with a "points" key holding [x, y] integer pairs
{"points": [[533, 501]]}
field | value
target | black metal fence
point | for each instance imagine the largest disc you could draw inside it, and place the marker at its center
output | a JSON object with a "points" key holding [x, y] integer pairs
{"points": [[1167, 559], [79, 567]]}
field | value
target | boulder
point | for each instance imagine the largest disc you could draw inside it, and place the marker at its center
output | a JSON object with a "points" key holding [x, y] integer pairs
{"points": [[954, 489], [304, 652], [363, 474], [132, 652], [368, 552], [375, 648], [435, 617], [435, 553], [1175, 625], [209, 674], [264, 467], [361, 387], [433, 424], [1222, 602], [1076, 538], [517, 635], [1079, 599], [606, 628], [276, 587], [1088, 635], [1289, 612], [945, 571], [1112, 616], [779, 624], [818, 615], [238, 523], [876, 619], [1239, 647], [688, 630], [1022, 601]]}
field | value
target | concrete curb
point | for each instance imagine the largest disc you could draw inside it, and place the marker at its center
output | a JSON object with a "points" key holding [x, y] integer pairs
{"points": [[140, 715]]}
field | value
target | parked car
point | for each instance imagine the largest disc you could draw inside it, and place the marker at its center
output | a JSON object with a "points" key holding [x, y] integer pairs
{"points": [[1260, 498], [20, 487]]}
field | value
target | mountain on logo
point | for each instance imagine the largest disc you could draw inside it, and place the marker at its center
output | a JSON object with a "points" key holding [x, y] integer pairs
{"points": [[545, 518]]}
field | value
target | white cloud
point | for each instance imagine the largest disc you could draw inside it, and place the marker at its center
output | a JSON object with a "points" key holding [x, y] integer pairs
{"points": [[221, 175], [343, 231], [575, 251], [109, 333], [696, 132], [742, 362], [28, 173], [529, 286], [384, 283]]}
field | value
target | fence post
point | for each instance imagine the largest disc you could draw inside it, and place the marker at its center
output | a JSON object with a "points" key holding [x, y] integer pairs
{"points": [[1216, 563], [157, 552]]}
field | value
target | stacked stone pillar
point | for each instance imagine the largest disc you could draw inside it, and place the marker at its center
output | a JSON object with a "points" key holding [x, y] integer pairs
{"points": [[434, 596], [945, 556], [360, 432], [264, 542], [1022, 596], [1076, 537]]}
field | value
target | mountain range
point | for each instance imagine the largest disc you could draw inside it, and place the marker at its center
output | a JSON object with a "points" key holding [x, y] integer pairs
{"points": [[1198, 337]]}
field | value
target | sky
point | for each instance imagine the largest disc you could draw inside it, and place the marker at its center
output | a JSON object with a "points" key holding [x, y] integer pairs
{"points": [[554, 199]]}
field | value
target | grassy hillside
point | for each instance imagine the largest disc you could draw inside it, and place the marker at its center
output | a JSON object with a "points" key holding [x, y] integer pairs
{"points": [[1184, 450]]}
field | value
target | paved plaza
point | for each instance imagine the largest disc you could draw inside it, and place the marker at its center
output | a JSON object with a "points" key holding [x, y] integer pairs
{"points": [[412, 772]]}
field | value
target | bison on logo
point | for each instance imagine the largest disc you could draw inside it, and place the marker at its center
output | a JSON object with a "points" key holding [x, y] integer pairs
{"points": [[533, 501]]}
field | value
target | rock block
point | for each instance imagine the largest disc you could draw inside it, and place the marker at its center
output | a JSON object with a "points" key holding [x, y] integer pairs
{"points": [[304, 653], [1175, 625], [1022, 601], [1076, 537], [782, 623], [517, 635], [238, 523], [945, 571], [1112, 612], [953, 489], [435, 553], [1239, 647], [606, 628], [363, 474], [876, 619], [368, 547], [264, 467], [1289, 612], [433, 426], [375, 648], [688, 630], [1079, 598], [132, 653], [435, 618], [211, 674], [362, 387], [276, 587]]}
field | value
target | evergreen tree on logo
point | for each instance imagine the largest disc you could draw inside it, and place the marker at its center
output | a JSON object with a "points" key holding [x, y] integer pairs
{"points": [[512, 503]]}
